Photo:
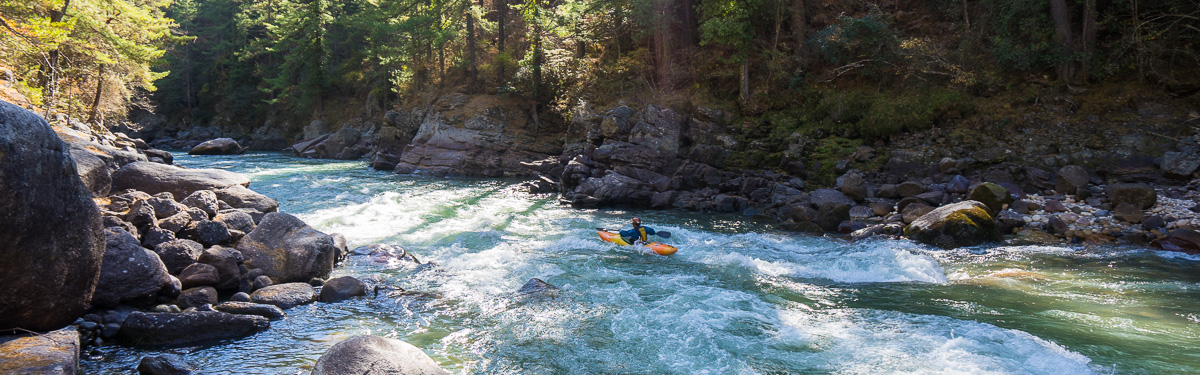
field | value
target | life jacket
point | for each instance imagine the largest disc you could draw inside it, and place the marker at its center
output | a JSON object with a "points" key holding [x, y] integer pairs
{"points": [[641, 232]]}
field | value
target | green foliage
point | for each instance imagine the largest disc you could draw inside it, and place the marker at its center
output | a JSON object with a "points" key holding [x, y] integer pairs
{"points": [[729, 23], [851, 39], [1023, 36]]}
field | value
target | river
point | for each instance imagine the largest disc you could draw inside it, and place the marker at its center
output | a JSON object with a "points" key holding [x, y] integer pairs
{"points": [[738, 298]]}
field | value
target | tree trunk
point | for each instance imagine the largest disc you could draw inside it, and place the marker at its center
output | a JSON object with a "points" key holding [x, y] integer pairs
{"points": [[1062, 35], [472, 71], [49, 72], [501, 19], [99, 92], [799, 27], [1088, 37], [745, 86]]}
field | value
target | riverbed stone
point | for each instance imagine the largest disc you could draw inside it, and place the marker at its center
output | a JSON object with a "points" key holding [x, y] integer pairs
{"points": [[285, 296], [196, 297], [165, 364], [226, 261], [1141, 195], [914, 211], [53, 353], [376, 355], [52, 240], [128, 270], [199, 274], [287, 249], [235, 220], [1182, 240], [1073, 180], [909, 189], [205, 200], [342, 288], [994, 196], [239, 196], [187, 328], [965, 223], [1128, 212], [206, 232], [854, 185], [248, 308], [155, 178], [178, 254]]}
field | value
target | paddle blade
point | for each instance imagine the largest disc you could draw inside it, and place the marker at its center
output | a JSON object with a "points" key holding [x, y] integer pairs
{"points": [[663, 234]]}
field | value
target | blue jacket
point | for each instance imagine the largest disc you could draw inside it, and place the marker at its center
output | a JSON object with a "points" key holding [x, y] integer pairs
{"points": [[637, 234]]}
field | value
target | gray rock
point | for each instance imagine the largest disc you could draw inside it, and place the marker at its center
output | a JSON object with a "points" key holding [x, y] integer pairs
{"points": [[861, 212], [994, 196], [247, 308], [52, 238], [165, 205], [1072, 179], [832, 206], [285, 296], [240, 297], [914, 211], [1141, 195], [199, 274], [342, 288], [1176, 164], [339, 243], [1182, 240], [155, 178], [288, 250], [909, 189], [934, 197], [958, 185], [1007, 220], [141, 214], [206, 232], [93, 171], [187, 328], [54, 353], [196, 297], [219, 146], [1154, 222], [178, 254], [1128, 212], [1054, 205], [240, 197], [205, 200], [226, 261], [965, 223], [155, 236], [1056, 225], [887, 191], [854, 185], [164, 364], [375, 355], [128, 271], [176, 222], [262, 281], [236, 220]]}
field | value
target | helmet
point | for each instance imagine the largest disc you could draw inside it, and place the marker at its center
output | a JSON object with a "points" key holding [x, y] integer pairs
{"points": [[637, 220]]}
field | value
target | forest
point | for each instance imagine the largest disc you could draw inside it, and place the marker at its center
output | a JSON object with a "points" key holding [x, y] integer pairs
{"points": [[870, 68]]}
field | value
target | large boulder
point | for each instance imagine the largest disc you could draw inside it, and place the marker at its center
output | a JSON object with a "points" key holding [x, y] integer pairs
{"points": [[1072, 179], [164, 364], [52, 240], [219, 146], [54, 353], [128, 271], [189, 328], [995, 197], [196, 297], [854, 185], [93, 171], [369, 354], [287, 249], [1141, 195], [965, 223], [1182, 240], [832, 206], [227, 262], [238, 196], [156, 178], [178, 254], [285, 296]]}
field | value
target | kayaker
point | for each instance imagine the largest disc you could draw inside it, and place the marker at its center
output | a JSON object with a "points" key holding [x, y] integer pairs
{"points": [[638, 233]]}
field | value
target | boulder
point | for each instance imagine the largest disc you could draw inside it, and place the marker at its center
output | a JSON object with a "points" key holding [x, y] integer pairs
{"points": [[236, 220], [1054, 205], [958, 185], [248, 308], [854, 185], [537, 286], [196, 297], [178, 254], [342, 288], [219, 146], [54, 353], [187, 328], [368, 354], [165, 156], [965, 223], [205, 200], [1073, 180], [52, 240], [155, 236], [165, 206], [909, 189], [1007, 220], [176, 222], [164, 364], [1141, 195], [914, 211], [199, 274], [93, 171], [1175, 164], [156, 178], [285, 296], [1128, 212], [1182, 240], [261, 281], [239, 196], [287, 249], [995, 197], [226, 261], [832, 206], [128, 270], [206, 232]]}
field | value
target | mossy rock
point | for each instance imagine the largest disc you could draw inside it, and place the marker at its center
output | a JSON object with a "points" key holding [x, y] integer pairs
{"points": [[992, 195], [961, 224]]}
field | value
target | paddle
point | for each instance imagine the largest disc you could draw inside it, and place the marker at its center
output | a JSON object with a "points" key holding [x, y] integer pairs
{"points": [[663, 234]]}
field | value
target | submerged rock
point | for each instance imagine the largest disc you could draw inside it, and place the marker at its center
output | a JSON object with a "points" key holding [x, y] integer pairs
{"points": [[52, 240], [164, 364], [53, 353], [187, 328], [342, 288], [965, 223], [247, 308], [537, 286], [368, 354]]}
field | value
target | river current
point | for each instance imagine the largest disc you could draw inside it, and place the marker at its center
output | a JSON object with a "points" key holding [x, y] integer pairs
{"points": [[738, 298]]}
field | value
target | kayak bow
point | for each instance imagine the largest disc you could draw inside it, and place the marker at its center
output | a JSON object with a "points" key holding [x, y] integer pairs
{"points": [[659, 248]]}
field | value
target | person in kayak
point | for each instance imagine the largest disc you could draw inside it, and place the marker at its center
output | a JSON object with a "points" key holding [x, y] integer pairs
{"points": [[638, 233]]}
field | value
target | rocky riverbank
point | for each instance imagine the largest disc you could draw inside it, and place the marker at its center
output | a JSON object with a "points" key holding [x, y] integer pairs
{"points": [[109, 240], [662, 158]]}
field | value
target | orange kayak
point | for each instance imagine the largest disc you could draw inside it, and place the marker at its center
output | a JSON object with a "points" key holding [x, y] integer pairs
{"points": [[659, 248]]}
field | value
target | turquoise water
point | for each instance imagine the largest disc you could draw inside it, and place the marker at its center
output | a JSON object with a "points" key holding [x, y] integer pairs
{"points": [[738, 298]]}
